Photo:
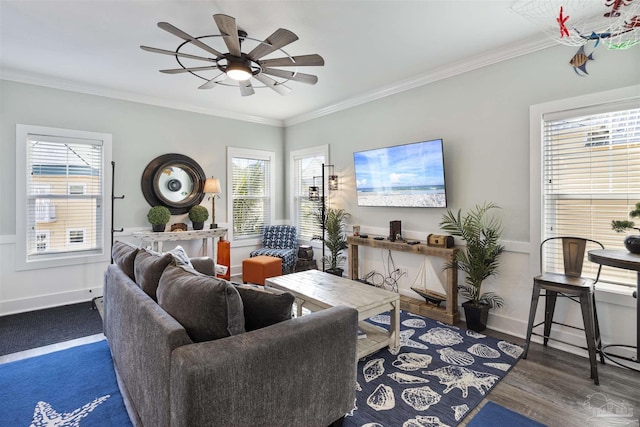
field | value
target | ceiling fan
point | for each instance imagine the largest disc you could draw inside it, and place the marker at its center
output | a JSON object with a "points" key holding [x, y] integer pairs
{"points": [[236, 67]]}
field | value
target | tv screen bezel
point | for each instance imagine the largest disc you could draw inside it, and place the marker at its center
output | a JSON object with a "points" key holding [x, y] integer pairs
{"points": [[396, 201]]}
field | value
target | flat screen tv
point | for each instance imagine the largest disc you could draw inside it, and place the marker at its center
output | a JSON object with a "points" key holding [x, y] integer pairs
{"points": [[408, 175]]}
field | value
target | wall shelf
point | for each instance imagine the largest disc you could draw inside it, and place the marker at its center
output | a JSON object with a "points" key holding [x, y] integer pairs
{"points": [[449, 313]]}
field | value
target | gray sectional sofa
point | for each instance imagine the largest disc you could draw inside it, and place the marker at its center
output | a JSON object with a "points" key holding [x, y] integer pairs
{"points": [[193, 350]]}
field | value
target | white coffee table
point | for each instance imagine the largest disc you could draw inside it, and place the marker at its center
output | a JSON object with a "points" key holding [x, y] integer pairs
{"points": [[316, 290]]}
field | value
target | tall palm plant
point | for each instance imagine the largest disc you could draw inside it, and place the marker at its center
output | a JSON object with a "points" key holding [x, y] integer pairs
{"points": [[480, 259]]}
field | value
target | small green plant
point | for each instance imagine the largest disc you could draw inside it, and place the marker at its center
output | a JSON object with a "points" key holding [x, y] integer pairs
{"points": [[480, 259], [623, 225], [198, 213], [159, 215]]}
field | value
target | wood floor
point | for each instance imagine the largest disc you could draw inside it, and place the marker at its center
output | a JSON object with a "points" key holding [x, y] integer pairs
{"points": [[553, 387]]}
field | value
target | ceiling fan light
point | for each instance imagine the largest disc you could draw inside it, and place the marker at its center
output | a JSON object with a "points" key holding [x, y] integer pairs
{"points": [[238, 72]]}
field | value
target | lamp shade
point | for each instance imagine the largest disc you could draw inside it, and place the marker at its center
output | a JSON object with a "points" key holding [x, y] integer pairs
{"points": [[211, 185]]}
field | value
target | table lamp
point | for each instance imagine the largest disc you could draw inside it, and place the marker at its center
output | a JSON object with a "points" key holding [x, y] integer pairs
{"points": [[212, 186]]}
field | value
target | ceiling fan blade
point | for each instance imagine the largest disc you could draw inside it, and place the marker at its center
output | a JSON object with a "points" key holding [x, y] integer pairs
{"points": [[298, 77], [278, 87], [299, 61], [213, 82], [279, 39], [245, 88], [228, 29], [172, 53], [187, 70], [178, 32]]}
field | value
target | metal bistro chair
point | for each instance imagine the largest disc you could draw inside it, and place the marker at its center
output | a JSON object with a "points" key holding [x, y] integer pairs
{"points": [[570, 285]]}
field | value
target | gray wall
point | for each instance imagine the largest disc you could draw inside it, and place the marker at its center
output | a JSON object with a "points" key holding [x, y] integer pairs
{"points": [[140, 133], [483, 118]]}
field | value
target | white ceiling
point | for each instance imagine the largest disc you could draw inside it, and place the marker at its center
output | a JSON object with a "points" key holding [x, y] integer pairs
{"points": [[371, 48]]}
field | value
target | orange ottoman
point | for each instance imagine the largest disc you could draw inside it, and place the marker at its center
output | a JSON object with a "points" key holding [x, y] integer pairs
{"points": [[258, 268]]}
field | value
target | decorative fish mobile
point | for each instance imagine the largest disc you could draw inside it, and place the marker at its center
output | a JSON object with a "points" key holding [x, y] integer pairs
{"points": [[579, 61]]}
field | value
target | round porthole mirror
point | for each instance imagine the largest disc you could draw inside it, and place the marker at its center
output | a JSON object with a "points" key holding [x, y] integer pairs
{"points": [[175, 181]]}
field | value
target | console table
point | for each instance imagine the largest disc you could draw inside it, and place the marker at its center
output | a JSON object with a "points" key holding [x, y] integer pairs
{"points": [[449, 313], [157, 238], [627, 261]]}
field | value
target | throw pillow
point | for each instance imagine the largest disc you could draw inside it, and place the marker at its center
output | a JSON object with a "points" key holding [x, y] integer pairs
{"points": [[207, 307], [148, 268], [124, 255], [264, 306], [180, 256]]}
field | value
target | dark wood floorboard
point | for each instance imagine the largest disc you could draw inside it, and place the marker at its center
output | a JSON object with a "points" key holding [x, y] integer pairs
{"points": [[553, 387]]}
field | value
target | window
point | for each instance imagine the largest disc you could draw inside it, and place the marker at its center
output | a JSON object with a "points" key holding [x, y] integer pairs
{"points": [[305, 166], [251, 180], [42, 241], [75, 236], [61, 204], [590, 176], [77, 189]]}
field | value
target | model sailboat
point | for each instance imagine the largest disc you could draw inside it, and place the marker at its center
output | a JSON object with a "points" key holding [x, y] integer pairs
{"points": [[428, 277]]}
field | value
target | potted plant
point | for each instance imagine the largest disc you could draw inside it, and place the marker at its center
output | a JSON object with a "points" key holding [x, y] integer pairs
{"points": [[631, 242], [198, 215], [158, 217], [479, 260], [334, 239]]}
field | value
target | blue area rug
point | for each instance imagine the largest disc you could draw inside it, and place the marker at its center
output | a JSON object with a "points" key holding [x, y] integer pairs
{"points": [[435, 378], [494, 415], [69, 388]]}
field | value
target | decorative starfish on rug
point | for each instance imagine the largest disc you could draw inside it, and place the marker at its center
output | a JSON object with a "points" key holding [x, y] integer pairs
{"points": [[45, 416], [406, 341]]}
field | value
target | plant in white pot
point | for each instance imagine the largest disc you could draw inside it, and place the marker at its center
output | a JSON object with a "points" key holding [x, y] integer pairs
{"points": [[478, 260]]}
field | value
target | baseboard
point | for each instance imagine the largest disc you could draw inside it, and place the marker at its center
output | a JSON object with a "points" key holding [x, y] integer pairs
{"points": [[47, 301]]}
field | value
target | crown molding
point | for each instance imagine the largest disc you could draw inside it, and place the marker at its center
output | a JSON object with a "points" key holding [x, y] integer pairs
{"points": [[46, 81], [469, 64]]}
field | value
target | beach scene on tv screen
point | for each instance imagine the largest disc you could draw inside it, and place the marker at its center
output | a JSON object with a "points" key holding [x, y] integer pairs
{"points": [[410, 175]]}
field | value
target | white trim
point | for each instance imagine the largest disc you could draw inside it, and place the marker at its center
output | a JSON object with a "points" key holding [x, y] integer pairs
{"points": [[252, 154], [468, 64], [536, 113], [47, 81], [22, 134], [51, 300], [322, 150]]}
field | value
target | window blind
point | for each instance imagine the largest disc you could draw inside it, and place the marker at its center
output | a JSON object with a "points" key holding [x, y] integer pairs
{"points": [[591, 173], [62, 220], [305, 169], [251, 194]]}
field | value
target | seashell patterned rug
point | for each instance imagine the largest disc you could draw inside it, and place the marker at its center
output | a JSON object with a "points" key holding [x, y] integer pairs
{"points": [[437, 375]]}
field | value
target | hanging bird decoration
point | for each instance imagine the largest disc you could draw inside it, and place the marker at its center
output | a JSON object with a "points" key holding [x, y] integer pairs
{"points": [[579, 61]]}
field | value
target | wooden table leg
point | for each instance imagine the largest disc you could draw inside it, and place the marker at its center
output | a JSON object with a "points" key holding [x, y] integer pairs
{"points": [[394, 327]]}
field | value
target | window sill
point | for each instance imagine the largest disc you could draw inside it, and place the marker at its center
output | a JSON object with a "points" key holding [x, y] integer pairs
{"points": [[615, 294]]}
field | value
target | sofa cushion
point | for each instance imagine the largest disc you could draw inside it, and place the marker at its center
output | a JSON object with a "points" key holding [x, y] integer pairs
{"points": [[148, 268], [264, 306], [207, 307], [124, 255]]}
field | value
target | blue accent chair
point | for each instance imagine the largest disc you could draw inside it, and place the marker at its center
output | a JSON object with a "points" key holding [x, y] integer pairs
{"points": [[279, 241]]}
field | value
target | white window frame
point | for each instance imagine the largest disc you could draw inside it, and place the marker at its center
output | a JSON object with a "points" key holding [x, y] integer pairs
{"points": [[317, 151], [81, 185], [47, 239], [233, 152], [23, 262], [536, 115]]}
